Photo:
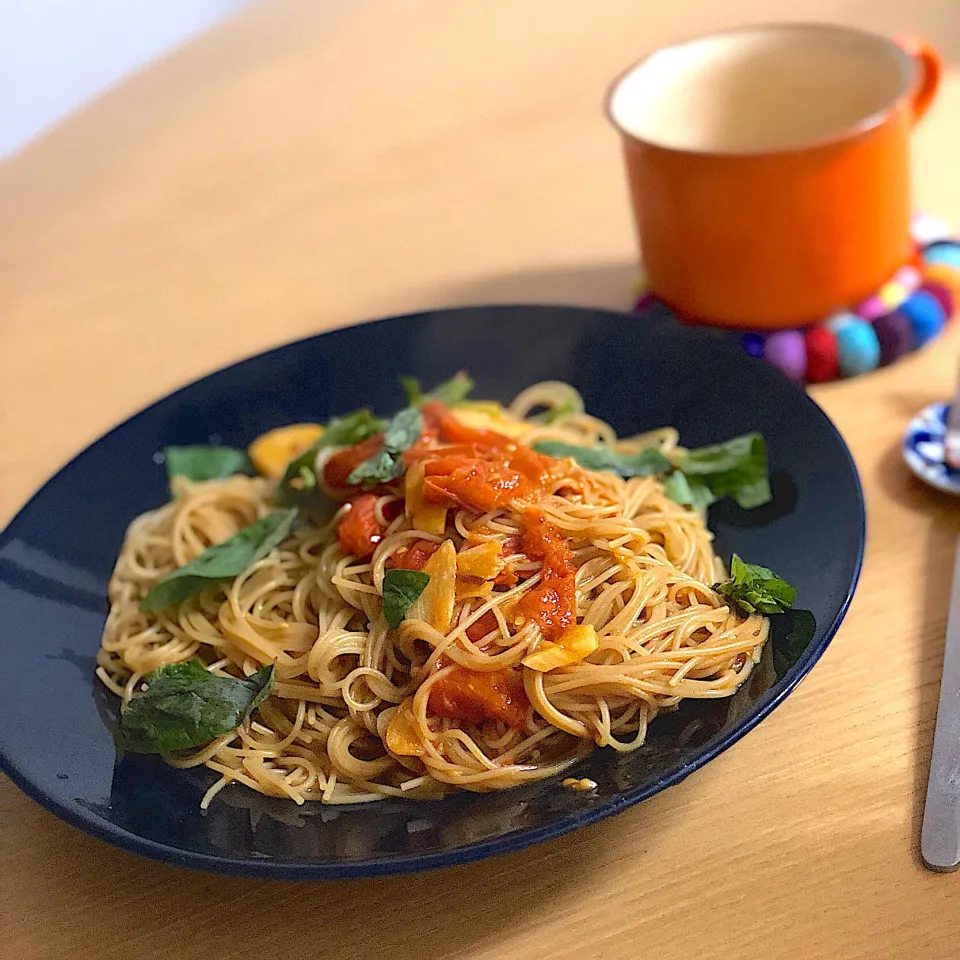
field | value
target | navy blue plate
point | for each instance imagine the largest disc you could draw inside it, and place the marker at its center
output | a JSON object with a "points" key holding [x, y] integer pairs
{"points": [[57, 554]]}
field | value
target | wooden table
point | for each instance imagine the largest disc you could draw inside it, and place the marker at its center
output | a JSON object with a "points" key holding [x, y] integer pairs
{"points": [[310, 165]]}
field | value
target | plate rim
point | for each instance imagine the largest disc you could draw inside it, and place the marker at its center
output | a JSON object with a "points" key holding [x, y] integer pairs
{"points": [[283, 869]]}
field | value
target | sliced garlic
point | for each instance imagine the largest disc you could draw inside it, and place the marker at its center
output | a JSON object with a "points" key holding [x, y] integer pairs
{"points": [[435, 604], [423, 516], [575, 644], [483, 562]]}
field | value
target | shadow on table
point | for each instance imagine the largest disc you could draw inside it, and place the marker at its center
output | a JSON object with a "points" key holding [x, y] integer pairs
{"points": [[610, 286], [938, 524]]}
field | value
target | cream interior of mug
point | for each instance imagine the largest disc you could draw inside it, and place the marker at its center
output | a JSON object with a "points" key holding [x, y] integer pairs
{"points": [[761, 88]]}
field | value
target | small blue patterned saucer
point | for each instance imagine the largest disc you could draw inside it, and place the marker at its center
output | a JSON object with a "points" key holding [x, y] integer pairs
{"points": [[923, 448]]}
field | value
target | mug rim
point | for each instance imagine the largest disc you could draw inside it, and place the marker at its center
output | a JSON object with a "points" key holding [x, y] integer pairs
{"points": [[908, 70]]}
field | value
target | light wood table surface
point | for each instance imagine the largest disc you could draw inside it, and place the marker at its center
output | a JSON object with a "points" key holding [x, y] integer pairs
{"points": [[313, 164]]}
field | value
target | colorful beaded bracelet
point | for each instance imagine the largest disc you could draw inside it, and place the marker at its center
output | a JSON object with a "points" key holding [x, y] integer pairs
{"points": [[908, 311]]}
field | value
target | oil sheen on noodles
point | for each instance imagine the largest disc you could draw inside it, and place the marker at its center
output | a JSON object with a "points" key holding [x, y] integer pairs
{"points": [[348, 687]]}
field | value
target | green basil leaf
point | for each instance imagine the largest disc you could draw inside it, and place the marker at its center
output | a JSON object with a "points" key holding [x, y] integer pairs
{"points": [[380, 468], [403, 430], [224, 561], [185, 706], [737, 468], [641, 464], [352, 429], [402, 433], [688, 491], [205, 462], [300, 478], [450, 392], [756, 589], [401, 589], [413, 390]]}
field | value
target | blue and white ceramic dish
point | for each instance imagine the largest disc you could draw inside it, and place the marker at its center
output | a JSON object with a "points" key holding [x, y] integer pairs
{"points": [[923, 448], [57, 554]]}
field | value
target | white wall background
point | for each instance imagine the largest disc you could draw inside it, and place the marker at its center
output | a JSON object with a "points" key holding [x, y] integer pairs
{"points": [[57, 54]]}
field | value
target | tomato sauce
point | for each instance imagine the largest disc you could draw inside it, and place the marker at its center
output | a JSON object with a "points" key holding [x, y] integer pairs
{"points": [[545, 541], [553, 604], [474, 696], [480, 628]]}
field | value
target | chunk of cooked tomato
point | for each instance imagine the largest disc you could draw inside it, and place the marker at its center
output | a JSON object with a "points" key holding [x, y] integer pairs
{"points": [[337, 469], [477, 484], [474, 696], [414, 556], [358, 532], [441, 423], [433, 414], [483, 477]]}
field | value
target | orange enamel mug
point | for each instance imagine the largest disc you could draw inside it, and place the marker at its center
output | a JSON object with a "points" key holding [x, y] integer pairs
{"points": [[769, 168]]}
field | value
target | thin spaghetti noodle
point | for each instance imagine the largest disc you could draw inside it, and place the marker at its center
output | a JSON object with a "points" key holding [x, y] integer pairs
{"points": [[361, 711]]}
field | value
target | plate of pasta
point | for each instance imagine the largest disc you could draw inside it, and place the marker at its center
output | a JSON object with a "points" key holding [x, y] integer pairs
{"points": [[421, 591]]}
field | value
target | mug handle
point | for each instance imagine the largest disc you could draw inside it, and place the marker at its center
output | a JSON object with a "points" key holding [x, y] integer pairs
{"points": [[929, 69]]}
